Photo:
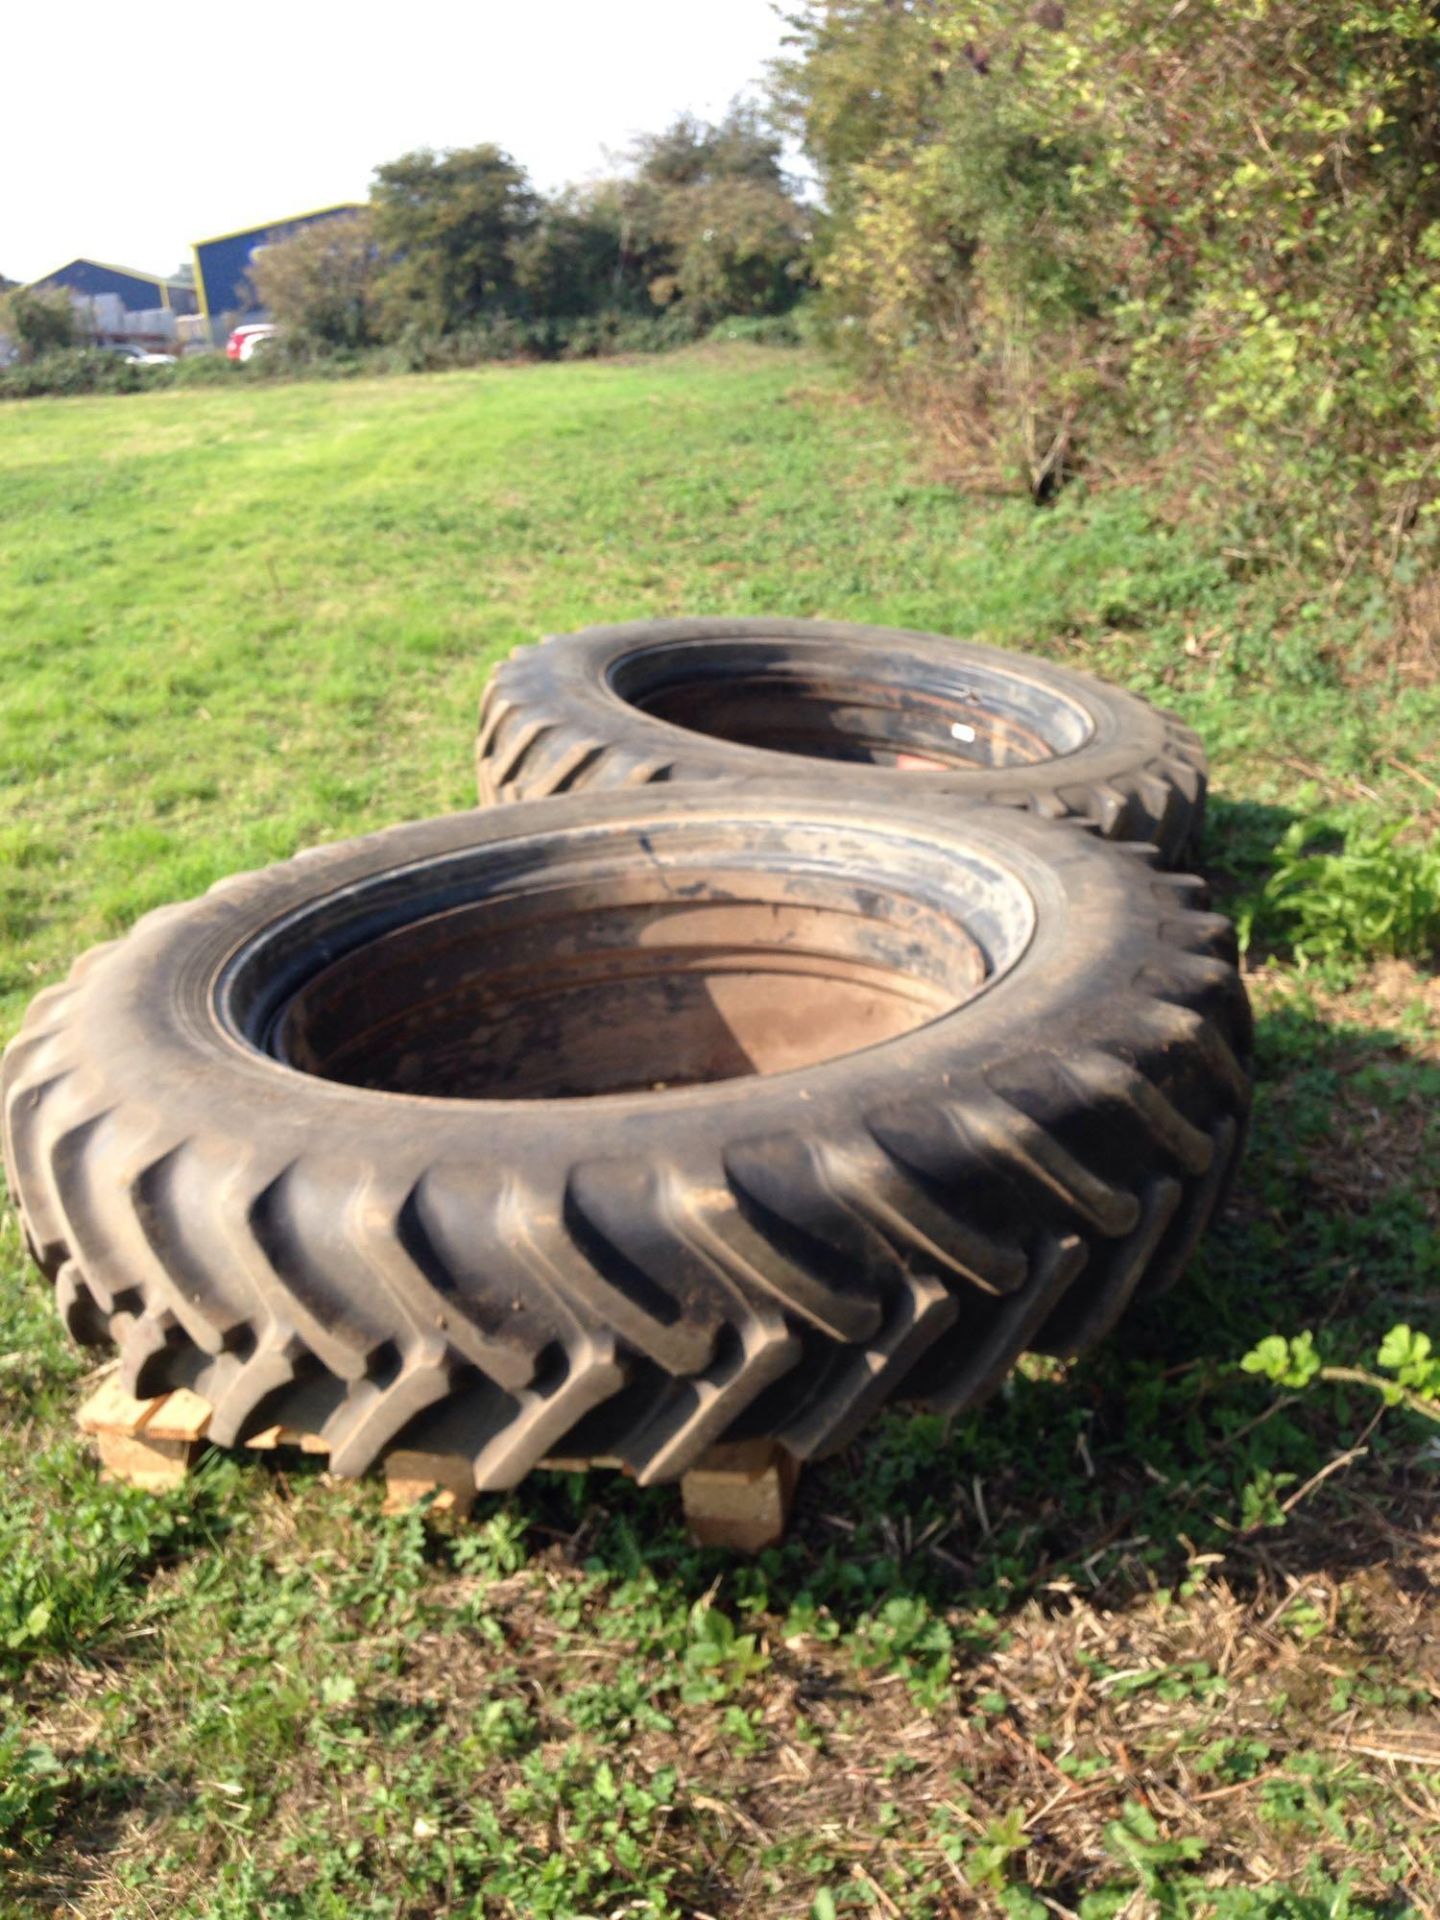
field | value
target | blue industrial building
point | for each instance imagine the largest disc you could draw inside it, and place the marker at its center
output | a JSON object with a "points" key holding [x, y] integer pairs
{"points": [[136, 292], [222, 267]]}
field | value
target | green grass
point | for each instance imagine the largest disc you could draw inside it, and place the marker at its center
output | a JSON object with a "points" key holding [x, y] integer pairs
{"points": [[1108, 1644]]}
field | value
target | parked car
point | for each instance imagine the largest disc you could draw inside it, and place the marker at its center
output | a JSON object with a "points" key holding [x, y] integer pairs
{"points": [[137, 356], [245, 341]]}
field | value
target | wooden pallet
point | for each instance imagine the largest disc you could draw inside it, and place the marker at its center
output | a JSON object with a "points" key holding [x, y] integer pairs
{"points": [[736, 1496]]}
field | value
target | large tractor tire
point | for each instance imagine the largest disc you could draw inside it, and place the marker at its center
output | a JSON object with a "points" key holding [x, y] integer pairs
{"points": [[912, 716], [615, 1126]]}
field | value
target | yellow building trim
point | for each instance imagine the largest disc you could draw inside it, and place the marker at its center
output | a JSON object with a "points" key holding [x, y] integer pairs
{"points": [[107, 266], [285, 220], [200, 287]]}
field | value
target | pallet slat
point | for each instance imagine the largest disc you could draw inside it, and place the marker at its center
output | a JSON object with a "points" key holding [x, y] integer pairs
{"points": [[737, 1496], [110, 1409], [181, 1415]]}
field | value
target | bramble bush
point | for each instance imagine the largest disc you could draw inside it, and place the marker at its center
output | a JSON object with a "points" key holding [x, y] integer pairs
{"points": [[1209, 229]]}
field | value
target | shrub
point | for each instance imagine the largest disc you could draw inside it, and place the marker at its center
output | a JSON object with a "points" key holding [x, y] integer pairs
{"points": [[1214, 229], [713, 221], [40, 319], [321, 283], [573, 261], [79, 371], [598, 334]]}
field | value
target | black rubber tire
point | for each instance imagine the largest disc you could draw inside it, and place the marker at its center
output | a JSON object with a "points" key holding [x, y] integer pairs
{"points": [[635, 1273], [565, 715]]}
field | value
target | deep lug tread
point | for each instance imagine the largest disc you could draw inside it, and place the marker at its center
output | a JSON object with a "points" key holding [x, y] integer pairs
{"points": [[1012, 1139], [1107, 1078], [1049, 806], [652, 1285], [573, 769], [149, 1348], [922, 1311], [1186, 890], [543, 1416], [794, 1222], [795, 1180], [495, 710], [784, 1279], [694, 1413], [280, 1219], [1094, 1306], [243, 1405], [372, 1415], [1172, 1024], [408, 1256], [930, 1156], [1182, 1237], [161, 1212], [967, 1368], [505, 1291], [934, 1241], [86, 1320], [518, 748], [645, 773]]}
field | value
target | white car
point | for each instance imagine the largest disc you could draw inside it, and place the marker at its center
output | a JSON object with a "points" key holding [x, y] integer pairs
{"points": [[138, 356]]}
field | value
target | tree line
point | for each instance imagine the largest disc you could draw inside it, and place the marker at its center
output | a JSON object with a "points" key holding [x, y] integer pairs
{"points": [[458, 247]]}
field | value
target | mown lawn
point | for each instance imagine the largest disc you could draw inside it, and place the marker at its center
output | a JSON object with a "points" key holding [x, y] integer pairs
{"points": [[1135, 1638]]}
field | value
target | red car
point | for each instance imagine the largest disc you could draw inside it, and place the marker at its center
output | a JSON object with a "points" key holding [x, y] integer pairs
{"points": [[244, 340]]}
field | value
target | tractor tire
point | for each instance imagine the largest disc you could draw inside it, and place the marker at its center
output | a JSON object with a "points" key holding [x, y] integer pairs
{"points": [[911, 715], [617, 1126]]}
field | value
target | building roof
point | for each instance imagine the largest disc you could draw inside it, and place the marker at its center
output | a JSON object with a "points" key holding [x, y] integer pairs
{"points": [[107, 266], [285, 220]]}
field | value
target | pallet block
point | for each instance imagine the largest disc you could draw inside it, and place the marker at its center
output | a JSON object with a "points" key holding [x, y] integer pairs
{"points": [[739, 1495], [145, 1443], [736, 1496]]}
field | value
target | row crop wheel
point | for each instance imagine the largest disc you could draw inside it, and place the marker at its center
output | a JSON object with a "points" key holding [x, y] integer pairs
{"points": [[905, 715], [622, 1123]]}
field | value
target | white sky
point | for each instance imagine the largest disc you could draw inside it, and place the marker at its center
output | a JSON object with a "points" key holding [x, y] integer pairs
{"points": [[127, 133]]}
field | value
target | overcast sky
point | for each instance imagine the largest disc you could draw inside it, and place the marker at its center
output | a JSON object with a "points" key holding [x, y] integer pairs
{"points": [[126, 133]]}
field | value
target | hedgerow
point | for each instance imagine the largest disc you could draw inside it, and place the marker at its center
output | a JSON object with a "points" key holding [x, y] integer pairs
{"points": [[1209, 230]]}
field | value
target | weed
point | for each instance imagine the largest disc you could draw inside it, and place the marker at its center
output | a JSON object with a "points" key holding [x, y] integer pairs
{"points": [[74, 1557], [1346, 888], [1410, 1376], [905, 1636], [718, 1661], [32, 1781]]}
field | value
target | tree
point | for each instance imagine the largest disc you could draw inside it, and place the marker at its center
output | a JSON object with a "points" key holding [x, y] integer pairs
{"points": [[738, 247], [449, 226], [691, 153], [322, 282], [40, 319], [714, 219], [572, 261]]}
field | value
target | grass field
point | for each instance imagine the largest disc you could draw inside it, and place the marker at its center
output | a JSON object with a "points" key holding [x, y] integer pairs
{"points": [[1142, 1636]]}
